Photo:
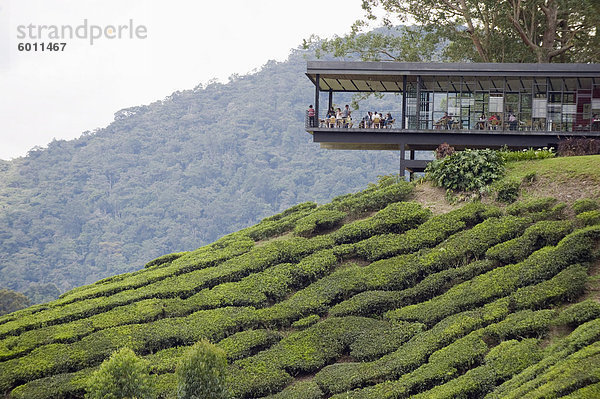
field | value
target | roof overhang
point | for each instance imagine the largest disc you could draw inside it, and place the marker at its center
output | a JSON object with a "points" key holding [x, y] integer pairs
{"points": [[389, 76]]}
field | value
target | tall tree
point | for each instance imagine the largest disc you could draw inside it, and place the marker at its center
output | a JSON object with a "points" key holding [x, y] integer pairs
{"points": [[493, 30], [11, 301]]}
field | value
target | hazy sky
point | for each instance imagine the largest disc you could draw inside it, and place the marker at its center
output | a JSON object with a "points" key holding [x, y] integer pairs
{"points": [[60, 94]]}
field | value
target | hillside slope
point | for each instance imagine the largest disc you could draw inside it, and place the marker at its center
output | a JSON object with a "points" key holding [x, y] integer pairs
{"points": [[170, 176], [369, 296]]}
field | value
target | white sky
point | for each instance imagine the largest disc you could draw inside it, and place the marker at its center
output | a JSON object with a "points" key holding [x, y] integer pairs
{"points": [[46, 95]]}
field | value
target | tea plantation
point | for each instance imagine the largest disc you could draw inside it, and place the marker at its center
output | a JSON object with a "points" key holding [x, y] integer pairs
{"points": [[369, 296]]}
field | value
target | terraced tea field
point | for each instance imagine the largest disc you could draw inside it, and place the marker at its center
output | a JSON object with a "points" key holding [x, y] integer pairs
{"points": [[370, 296]]}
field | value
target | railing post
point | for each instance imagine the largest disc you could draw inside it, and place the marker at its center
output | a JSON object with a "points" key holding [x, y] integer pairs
{"points": [[403, 122], [317, 89], [418, 111]]}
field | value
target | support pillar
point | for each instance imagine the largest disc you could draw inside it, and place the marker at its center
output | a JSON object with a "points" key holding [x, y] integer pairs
{"points": [[330, 100], [402, 160]]}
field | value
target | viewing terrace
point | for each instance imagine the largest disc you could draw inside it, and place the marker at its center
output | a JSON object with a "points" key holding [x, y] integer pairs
{"points": [[474, 105]]}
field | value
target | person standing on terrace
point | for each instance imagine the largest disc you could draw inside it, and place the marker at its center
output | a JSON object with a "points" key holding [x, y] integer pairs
{"points": [[311, 116], [346, 115], [512, 121]]}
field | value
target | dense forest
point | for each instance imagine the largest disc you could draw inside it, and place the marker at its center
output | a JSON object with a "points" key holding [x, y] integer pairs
{"points": [[169, 176]]}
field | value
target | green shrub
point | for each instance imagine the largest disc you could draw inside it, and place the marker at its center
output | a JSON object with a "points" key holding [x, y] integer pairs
{"points": [[182, 285], [299, 390], [531, 206], [566, 375], [428, 234], [564, 287], [472, 244], [466, 170], [501, 362], [394, 218], [441, 366], [529, 154], [539, 235], [511, 357], [318, 221], [392, 274], [306, 321], [124, 375], [589, 218], [67, 385], [389, 189], [376, 302], [300, 352], [255, 378], [579, 313], [507, 191], [341, 377], [161, 260], [246, 343], [201, 373], [589, 392], [142, 338], [278, 224], [521, 384], [502, 281], [585, 205], [383, 338], [525, 323]]}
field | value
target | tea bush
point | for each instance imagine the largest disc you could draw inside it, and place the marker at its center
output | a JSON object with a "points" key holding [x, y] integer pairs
{"points": [[585, 205], [428, 234], [507, 191], [317, 221], [589, 218], [539, 235], [394, 218]]}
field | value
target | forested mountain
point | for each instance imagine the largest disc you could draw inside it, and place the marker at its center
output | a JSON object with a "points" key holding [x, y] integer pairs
{"points": [[169, 176]]}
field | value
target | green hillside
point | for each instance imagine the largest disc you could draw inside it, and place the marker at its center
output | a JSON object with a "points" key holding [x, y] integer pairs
{"points": [[372, 295], [170, 176]]}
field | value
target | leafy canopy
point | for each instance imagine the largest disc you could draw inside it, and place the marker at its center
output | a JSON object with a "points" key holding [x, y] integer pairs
{"points": [[466, 170], [123, 375], [476, 30], [201, 373]]}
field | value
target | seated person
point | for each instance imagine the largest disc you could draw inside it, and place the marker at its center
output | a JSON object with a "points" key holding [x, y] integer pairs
{"points": [[376, 120], [347, 119], [339, 118], [388, 120], [493, 121], [481, 122], [596, 122], [451, 123], [443, 121]]}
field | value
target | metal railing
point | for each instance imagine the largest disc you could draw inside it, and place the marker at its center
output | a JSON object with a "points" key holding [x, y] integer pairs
{"points": [[578, 123]]}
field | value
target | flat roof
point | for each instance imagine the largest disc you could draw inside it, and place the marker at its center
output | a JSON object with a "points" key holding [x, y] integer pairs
{"points": [[386, 76]]}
